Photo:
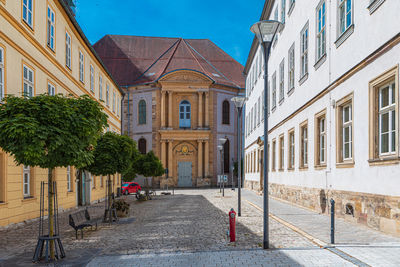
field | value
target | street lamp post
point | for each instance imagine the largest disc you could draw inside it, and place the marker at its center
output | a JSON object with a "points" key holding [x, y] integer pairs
{"points": [[221, 149], [265, 31], [239, 102]]}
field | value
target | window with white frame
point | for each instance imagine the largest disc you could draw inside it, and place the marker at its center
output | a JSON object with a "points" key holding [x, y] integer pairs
{"points": [[27, 12], [291, 150], [321, 30], [68, 50], [81, 67], [251, 119], [345, 15], [283, 11], [281, 152], [101, 86], [387, 119], [28, 78], [347, 131], [263, 103], [108, 95], [92, 79], [291, 68], [1, 73], [259, 110], [255, 116], [69, 184], [320, 139], [304, 51], [113, 106], [282, 80], [51, 23], [276, 17], [273, 167], [26, 181], [118, 106], [51, 89], [303, 145], [274, 90]]}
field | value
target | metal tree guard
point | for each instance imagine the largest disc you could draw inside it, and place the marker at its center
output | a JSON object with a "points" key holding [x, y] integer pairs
{"points": [[45, 240]]}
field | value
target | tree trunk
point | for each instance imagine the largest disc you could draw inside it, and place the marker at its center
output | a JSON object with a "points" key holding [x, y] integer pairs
{"points": [[109, 199], [51, 211]]}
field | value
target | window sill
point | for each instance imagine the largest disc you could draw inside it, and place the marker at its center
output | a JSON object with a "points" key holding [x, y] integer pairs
{"points": [[28, 199], [348, 164], [291, 8], [281, 101], [384, 161], [320, 62], [70, 192], [343, 37], [303, 79], [273, 109], [290, 169], [3, 204], [374, 5], [52, 50], [303, 168], [290, 92], [320, 167], [281, 170]]}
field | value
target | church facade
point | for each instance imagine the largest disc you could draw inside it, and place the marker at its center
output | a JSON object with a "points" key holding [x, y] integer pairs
{"points": [[177, 103]]}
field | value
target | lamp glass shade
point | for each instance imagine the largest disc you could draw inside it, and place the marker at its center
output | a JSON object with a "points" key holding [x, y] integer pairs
{"points": [[265, 30], [239, 101], [220, 147]]}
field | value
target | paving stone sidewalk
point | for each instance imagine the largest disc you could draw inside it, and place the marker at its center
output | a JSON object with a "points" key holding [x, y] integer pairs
{"points": [[190, 221], [278, 257], [369, 246]]}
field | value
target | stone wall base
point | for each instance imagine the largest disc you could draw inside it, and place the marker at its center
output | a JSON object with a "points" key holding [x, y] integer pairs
{"points": [[252, 185], [379, 212]]}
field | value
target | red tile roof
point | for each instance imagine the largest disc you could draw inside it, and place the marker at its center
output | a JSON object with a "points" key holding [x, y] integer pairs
{"points": [[136, 60]]}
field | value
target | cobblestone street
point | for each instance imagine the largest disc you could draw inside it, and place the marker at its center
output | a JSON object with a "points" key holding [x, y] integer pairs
{"points": [[191, 221]]}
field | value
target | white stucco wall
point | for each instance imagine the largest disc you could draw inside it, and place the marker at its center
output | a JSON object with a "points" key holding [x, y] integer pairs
{"points": [[371, 31]]}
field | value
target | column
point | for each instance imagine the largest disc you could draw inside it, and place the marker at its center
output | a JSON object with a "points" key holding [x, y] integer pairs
{"points": [[207, 124], [170, 158], [162, 109], [163, 156], [170, 109], [206, 159], [200, 112], [200, 159]]}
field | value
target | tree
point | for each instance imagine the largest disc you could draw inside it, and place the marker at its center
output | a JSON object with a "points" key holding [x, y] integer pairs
{"points": [[132, 172], [149, 166], [50, 132], [112, 154]]}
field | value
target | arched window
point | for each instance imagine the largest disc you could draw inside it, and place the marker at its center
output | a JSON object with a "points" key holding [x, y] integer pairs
{"points": [[184, 114], [225, 112], [142, 145], [226, 156], [142, 112]]}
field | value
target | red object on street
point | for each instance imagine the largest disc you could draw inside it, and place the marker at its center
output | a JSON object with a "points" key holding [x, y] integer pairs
{"points": [[232, 227]]}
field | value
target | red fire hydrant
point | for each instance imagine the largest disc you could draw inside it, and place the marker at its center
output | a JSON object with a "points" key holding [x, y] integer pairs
{"points": [[232, 230]]}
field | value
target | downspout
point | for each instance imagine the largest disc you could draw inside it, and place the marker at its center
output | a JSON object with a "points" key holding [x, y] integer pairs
{"points": [[330, 107]]}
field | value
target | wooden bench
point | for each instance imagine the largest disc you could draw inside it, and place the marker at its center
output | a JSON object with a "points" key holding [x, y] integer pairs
{"points": [[80, 220]]}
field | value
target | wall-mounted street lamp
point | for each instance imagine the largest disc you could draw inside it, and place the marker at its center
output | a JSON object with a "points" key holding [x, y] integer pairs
{"points": [[265, 31]]}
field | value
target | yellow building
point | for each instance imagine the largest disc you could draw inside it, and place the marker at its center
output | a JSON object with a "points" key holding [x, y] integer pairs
{"points": [[177, 103], [43, 50]]}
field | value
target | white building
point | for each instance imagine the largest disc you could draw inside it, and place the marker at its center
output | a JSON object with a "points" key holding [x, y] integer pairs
{"points": [[334, 108]]}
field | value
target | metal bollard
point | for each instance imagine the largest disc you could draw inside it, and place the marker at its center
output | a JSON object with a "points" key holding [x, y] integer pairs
{"points": [[332, 221]]}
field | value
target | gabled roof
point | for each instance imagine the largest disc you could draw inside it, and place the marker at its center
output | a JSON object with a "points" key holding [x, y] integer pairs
{"points": [[137, 60], [71, 16]]}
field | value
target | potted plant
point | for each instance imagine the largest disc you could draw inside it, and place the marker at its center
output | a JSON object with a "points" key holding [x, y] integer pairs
{"points": [[122, 208]]}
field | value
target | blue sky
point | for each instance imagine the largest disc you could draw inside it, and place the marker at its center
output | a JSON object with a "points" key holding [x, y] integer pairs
{"points": [[226, 23]]}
